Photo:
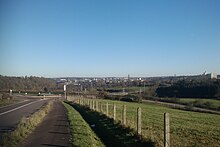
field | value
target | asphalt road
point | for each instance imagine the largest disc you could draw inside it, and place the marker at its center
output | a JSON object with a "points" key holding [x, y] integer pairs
{"points": [[53, 131], [11, 115]]}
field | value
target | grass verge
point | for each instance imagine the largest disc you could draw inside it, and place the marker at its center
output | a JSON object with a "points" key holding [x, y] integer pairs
{"points": [[5, 102], [25, 127], [82, 134]]}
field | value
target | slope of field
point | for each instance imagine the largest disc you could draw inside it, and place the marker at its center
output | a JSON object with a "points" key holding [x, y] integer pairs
{"points": [[187, 128], [215, 104]]}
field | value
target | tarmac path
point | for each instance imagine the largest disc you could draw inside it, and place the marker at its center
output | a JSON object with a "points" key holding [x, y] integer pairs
{"points": [[53, 131]]}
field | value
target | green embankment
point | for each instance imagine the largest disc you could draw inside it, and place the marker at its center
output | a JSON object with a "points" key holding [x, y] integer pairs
{"points": [[187, 128], [5, 102], [82, 134], [215, 104]]}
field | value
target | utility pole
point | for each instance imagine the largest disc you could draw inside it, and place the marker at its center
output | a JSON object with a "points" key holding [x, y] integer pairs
{"points": [[64, 88], [10, 91], [123, 91], [140, 91]]}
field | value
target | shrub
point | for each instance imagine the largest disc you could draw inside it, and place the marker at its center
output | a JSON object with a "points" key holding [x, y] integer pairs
{"points": [[6, 96]]}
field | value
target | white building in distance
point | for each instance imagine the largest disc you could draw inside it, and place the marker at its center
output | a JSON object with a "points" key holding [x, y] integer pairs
{"points": [[211, 75]]}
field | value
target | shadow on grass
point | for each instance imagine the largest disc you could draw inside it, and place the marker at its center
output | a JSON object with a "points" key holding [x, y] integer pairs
{"points": [[58, 133], [53, 145], [111, 133]]}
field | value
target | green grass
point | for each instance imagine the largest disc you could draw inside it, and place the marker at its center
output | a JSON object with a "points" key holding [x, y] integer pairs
{"points": [[5, 102], [25, 127], [111, 132], [187, 128], [215, 103], [82, 134], [131, 89]]}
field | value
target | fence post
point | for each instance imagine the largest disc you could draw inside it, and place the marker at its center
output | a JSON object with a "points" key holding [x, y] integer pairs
{"points": [[90, 104], [114, 111], [97, 106], [124, 115], [166, 130], [139, 120], [106, 108], [101, 108], [93, 104]]}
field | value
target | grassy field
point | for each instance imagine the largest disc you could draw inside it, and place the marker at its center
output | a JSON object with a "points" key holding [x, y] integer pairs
{"points": [[25, 127], [214, 103], [82, 134], [187, 128], [130, 89]]}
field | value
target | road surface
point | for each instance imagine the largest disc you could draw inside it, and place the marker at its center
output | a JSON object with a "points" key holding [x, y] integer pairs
{"points": [[11, 115], [53, 131]]}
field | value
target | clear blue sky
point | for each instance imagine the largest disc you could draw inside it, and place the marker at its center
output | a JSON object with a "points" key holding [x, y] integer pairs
{"points": [[54, 38]]}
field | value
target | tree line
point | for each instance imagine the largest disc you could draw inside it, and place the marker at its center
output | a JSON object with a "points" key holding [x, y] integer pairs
{"points": [[191, 88], [26, 83]]}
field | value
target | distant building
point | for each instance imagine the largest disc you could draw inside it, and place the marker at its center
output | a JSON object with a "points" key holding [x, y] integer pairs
{"points": [[211, 76]]}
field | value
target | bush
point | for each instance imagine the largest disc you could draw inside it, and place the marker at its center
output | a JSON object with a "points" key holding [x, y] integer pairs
{"points": [[198, 103], [189, 106], [1, 96], [126, 99], [208, 105], [6, 96], [132, 98]]}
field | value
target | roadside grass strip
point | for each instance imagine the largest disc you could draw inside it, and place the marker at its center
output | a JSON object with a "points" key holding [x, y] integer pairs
{"points": [[81, 133], [6, 102], [25, 127]]}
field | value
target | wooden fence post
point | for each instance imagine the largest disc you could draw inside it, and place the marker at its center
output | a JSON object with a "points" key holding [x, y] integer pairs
{"points": [[139, 120], [106, 108], [124, 115], [90, 104], [97, 106], [114, 111], [101, 108], [166, 130], [93, 104]]}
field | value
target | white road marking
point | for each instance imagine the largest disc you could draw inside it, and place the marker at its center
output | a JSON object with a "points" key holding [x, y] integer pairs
{"points": [[17, 108]]}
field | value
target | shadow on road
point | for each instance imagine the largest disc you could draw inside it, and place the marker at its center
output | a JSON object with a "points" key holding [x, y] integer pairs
{"points": [[111, 133]]}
